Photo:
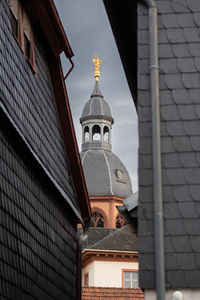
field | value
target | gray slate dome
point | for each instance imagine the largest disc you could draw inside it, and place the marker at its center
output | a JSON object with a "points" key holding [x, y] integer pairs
{"points": [[96, 107], [105, 174]]}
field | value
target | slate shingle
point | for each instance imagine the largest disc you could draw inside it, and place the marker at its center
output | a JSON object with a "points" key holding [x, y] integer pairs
{"points": [[175, 176], [192, 278], [191, 80], [188, 210], [194, 49], [195, 243], [170, 21], [195, 192], [164, 7], [171, 160], [176, 227], [145, 129], [176, 279], [194, 5], [172, 262], [165, 51], [176, 36], [181, 96], [196, 17], [167, 194], [191, 127], [191, 35], [185, 20], [186, 65], [197, 63], [192, 175], [195, 142], [175, 81], [188, 159], [181, 244], [170, 113], [180, 6], [192, 226], [187, 112], [171, 211], [194, 95], [175, 128], [169, 66], [167, 145]]}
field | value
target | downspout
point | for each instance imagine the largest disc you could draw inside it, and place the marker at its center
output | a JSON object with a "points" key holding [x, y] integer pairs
{"points": [[81, 240], [69, 69], [156, 149]]}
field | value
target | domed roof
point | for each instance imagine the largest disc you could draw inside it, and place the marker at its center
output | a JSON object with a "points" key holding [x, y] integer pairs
{"points": [[96, 107], [105, 174]]}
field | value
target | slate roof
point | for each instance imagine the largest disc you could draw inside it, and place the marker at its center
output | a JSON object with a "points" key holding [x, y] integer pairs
{"points": [[179, 57], [100, 169], [111, 239], [96, 293], [96, 106]]}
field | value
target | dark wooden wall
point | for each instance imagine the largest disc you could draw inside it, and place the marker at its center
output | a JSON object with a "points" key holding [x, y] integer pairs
{"points": [[37, 226]]}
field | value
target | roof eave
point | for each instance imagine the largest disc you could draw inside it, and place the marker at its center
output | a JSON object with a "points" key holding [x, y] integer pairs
{"points": [[51, 25]]}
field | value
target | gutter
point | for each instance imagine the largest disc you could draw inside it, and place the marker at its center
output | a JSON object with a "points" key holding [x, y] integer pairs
{"points": [[156, 144]]}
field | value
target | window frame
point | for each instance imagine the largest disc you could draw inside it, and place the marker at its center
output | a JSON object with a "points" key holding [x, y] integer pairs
{"points": [[86, 279], [118, 172], [21, 33], [123, 278]]}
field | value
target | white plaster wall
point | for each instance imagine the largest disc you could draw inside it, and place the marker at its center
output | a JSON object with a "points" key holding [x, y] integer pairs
{"points": [[107, 273], [188, 294], [90, 269]]}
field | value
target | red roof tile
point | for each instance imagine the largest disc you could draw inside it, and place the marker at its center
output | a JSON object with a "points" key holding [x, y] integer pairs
{"points": [[100, 293]]}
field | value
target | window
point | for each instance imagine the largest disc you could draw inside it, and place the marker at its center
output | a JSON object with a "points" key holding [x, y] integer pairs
{"points": [[106, 134], [120, 222], [96, 136], [97, 220], [86, 279], [86, 133], [130, 279], [120, 175], [22, 31]]}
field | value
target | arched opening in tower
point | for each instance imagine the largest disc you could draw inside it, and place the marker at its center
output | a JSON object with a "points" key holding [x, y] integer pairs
{"points": [[96, 133], [86, 134], [120, 222], [106, 134], [97, 220]]}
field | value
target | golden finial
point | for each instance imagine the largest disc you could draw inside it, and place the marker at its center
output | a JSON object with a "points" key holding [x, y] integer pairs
{"points": [[97, 63]]}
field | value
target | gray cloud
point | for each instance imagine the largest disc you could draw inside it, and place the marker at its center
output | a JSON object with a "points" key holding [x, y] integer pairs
{"points": [[88, 30]]}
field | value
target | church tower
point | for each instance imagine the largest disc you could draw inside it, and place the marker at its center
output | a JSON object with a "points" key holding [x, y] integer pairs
{"points": [[107, 179]]}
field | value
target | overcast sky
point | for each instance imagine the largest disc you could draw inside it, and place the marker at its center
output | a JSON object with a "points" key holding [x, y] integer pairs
{"points": [[88, 31]]}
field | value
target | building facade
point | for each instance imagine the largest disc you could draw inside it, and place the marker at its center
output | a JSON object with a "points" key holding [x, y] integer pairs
{"points": [[43, 193], [178, 86]]}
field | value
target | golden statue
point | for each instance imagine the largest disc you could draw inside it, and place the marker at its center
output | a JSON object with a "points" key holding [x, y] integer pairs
{"points": [[97, 63]]}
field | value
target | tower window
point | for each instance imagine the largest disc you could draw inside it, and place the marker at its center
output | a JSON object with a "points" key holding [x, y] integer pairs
{"points": [[106, 134], [120, 222], [96, 136], [86, 134], [120, 175], [97, 220]]}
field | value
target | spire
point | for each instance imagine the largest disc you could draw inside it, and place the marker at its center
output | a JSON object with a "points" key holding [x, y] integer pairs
{"points": [[96, 92], [97, 63]]}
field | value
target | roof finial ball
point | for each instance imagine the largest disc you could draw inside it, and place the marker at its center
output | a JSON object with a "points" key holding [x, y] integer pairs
{"points": [[97, 63]]}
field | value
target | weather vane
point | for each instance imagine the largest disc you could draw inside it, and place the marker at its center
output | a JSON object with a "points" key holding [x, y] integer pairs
{"points": [[97, 63]]}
